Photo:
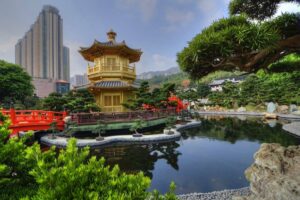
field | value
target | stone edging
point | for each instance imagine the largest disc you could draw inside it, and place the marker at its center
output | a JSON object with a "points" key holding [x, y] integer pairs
{"points": [[293, 128], [61, 142], [256, 114]]}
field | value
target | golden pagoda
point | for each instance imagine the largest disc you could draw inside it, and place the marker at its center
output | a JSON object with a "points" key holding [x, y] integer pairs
{"points": [[111, 78]]}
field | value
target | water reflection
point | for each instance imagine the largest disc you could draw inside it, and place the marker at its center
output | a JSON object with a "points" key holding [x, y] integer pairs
{"points": [[135, 158], [231, 129], [210, 157]]}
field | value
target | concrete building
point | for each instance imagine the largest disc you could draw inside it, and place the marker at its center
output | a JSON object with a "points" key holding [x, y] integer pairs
{"points": [[79, 80], [41, 52]]}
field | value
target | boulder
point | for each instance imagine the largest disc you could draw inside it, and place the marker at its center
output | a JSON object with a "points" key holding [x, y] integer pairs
{"points": [[274, 173], [284, 109], [293, 108], [271, 107], [241, 109]]}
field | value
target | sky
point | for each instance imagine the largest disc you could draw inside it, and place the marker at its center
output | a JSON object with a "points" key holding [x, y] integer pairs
{"points": [[160, 28]]}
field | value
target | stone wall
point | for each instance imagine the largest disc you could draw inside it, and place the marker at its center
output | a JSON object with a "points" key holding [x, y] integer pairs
{"points": [[275, 173]]}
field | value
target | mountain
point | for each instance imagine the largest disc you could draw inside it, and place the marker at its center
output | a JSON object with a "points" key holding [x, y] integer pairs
{"points": [[151, 74]]}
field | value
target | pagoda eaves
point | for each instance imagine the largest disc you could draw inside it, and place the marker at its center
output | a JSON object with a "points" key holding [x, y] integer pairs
{"points": [[98, 49]]}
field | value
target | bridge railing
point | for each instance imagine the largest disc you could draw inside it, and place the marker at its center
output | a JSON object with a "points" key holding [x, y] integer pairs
{"points": [[33, 116], [93, 118]]}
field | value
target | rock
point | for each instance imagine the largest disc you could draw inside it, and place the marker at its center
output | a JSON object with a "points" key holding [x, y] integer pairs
{"points": [[241, 109], [296, 112], [274, 173], [271, 107], [284, 109], [293, 108]]}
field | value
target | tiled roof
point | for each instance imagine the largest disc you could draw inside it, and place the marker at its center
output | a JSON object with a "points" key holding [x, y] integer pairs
{"points": [[114, 84]]}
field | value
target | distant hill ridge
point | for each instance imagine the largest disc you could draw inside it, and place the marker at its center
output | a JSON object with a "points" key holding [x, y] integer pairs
{"points": [[151, 74]]}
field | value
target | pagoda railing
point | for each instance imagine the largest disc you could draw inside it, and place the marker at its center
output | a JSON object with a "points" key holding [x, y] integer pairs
{"points": [[111, 68], [93, 118]]}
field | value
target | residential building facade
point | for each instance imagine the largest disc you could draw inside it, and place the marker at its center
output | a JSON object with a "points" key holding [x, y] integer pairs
{"points": [[41, 52]]}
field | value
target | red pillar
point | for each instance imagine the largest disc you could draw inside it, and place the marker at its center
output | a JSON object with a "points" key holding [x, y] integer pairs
{"points": [[12, 114]]}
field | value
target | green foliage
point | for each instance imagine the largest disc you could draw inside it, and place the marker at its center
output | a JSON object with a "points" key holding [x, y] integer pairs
{"points": [[55, 101], [282, 88], [157, 98], [15, 83], [74, 101], [138, 124], [253, 8], [72, 174], [240, 43], [14, 166], [289, 63], [203, 90]]}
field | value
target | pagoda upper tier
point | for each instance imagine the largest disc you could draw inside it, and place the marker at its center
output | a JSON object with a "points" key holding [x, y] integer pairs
{"points": [[111, 47]]}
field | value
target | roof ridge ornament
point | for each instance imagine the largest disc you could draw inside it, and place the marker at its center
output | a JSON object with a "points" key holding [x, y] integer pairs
{"points": [[111, 36]]}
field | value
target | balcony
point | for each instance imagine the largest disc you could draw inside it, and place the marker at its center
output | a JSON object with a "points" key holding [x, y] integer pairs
{"points": [[115, 71]]}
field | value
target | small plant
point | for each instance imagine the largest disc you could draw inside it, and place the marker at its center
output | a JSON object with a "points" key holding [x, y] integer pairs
{"points": [[100, 129], [53, 129], [137, 125], [170, 124]]}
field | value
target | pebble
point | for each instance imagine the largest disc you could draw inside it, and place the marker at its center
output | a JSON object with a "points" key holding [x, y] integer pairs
{"points": [[216, 195]]}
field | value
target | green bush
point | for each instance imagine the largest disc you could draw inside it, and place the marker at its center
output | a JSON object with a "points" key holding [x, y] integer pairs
{"points": [[27, 172]]}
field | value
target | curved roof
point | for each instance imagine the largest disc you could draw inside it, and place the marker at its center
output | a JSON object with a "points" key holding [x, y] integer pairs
{"points": [[98, 49]]}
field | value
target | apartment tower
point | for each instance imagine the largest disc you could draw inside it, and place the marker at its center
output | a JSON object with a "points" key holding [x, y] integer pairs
{"points": [[42, 54]]}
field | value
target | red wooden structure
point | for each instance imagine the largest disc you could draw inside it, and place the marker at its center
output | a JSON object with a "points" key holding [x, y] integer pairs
{"points": [[25, 120]]}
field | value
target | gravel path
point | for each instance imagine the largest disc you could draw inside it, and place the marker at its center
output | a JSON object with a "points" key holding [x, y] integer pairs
{"points": [[217, 195]]}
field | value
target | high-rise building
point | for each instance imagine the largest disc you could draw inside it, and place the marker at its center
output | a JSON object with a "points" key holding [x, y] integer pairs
{"points": [[79, 80], [42, 54]]}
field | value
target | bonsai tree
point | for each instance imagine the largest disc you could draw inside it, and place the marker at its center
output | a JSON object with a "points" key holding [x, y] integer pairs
{"points": [[170, 124], [137, 125], [53, 129], [69, 129], [100, 129]]}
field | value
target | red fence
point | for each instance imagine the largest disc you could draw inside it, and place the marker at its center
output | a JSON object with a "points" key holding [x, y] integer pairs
{"points": [[93, 118], [24, 120]]}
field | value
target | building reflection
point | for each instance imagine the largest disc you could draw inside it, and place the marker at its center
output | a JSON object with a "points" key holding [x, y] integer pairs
{"points": [[136, 158]]}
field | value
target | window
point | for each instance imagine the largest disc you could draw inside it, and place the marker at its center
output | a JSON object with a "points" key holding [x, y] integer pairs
{"points": [[111, 61], [116, 100], [107, 101], [113, 100]]}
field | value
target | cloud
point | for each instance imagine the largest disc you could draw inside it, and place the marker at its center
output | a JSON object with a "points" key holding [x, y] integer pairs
{"points": [[212, 10], [176, 19], [145, 7], [287, 7], [179, 17], [163, 62]]}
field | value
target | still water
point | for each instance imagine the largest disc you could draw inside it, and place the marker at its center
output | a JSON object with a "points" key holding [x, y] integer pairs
{"points": [[210, 157]]}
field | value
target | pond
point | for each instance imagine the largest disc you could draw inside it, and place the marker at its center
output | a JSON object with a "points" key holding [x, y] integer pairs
{"points": [[210, 157]]}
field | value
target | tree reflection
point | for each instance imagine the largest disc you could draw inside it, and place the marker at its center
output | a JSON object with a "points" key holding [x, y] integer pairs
{"points": [[232, 129], [135, 158]]}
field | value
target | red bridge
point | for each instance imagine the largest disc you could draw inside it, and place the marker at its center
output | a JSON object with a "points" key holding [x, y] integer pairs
{"points": [[25, 120]]}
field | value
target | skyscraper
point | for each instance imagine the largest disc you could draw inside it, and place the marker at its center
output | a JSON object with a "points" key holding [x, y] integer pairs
{"points": [[42, 54]]}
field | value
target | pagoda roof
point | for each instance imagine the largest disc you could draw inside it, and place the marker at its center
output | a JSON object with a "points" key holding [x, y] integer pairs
{"points": [[114, 84], [98, 49]]}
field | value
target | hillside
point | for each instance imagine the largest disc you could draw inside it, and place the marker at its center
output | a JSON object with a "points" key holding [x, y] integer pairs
{"points": [[151, 74]]}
